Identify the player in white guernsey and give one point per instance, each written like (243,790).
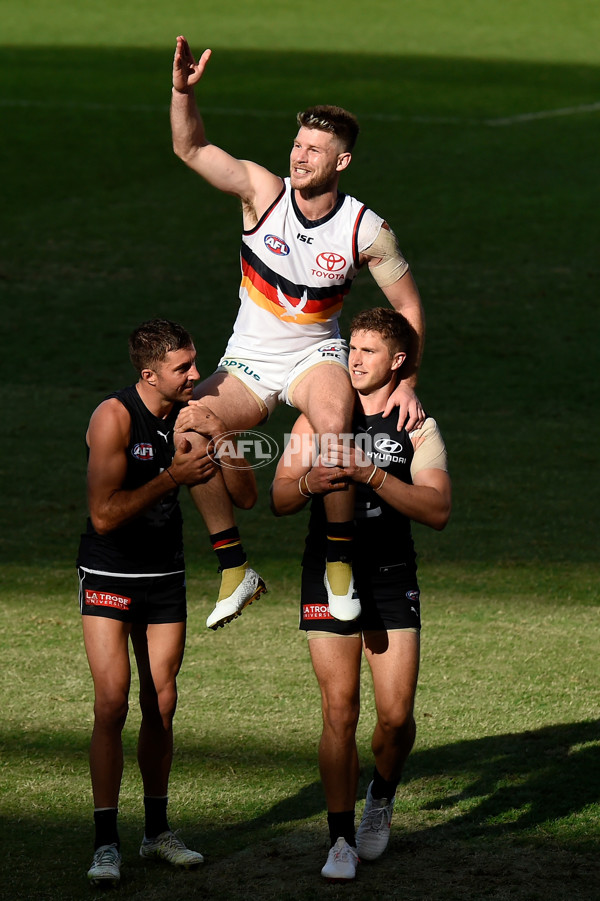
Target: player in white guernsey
(303,244)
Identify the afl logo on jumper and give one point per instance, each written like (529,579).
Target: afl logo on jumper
(143,452)
(331,262)
(277,245)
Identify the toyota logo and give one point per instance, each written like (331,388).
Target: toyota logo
(331,262)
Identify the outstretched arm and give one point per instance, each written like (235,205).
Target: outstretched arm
(254,185)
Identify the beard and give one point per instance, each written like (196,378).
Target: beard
(314,186)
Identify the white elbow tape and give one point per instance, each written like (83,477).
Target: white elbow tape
(392,264)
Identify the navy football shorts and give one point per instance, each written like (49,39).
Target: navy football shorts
(388,601)
(139,599)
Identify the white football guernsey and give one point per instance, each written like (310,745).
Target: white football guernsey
(297,272)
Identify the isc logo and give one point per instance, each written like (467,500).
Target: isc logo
(277,245)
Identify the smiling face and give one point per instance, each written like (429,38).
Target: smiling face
(371,361)
(174,377)
(316,160)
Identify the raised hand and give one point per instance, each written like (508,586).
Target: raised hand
(186,71)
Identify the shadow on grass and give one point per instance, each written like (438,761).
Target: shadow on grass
(523,796)
(516,782)
(531,777)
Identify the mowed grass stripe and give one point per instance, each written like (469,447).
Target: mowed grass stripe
(517,119)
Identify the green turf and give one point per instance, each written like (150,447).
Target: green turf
(479,145)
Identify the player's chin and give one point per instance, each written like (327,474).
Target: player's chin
(302,180)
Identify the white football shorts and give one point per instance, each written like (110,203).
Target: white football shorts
(272,379)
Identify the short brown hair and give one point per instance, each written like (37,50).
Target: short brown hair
(391,325)
(333,119)
(151,341)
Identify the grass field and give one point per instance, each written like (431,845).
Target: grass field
(480,128)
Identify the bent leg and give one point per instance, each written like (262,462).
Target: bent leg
(336,662)
(394,661)
(235,405)
(159,652)
(324,394)
(238,409)
(106,645)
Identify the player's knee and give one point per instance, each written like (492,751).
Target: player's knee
(110,709)
(397,719)
(198,442)
(333,421)
(341,715)
(167,703)
(159,706)
(246,499)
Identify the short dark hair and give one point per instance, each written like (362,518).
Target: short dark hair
(151,341)
(333,119)
(391,325)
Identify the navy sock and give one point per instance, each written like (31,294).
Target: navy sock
(381,788)
(341,824)
(156,816)
(105,821)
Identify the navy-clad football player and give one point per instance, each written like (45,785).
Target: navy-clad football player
(132,578)
(399,477)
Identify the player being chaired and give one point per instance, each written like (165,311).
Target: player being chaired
(303,243)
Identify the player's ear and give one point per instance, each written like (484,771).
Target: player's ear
(343,161)
(398,359)
(148,375)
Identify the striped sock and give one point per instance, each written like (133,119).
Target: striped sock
(228,547)
(340,536)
